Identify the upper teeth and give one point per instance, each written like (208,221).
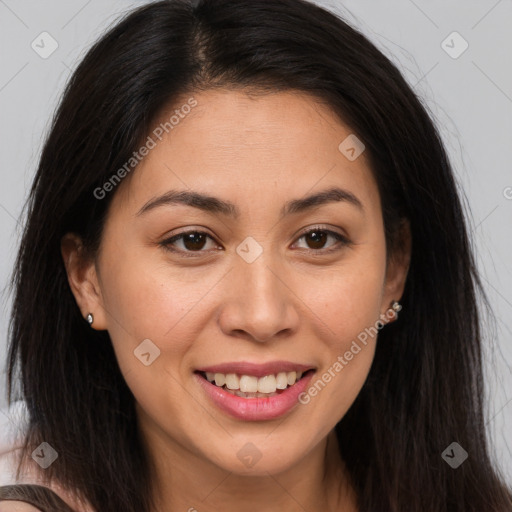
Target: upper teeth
(251,384)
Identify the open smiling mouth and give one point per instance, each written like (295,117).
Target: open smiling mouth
(255,391)
(249,386)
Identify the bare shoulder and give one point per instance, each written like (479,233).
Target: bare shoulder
(17,506)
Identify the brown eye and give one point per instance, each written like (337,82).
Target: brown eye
(317,238)
(191,241)
(194,241)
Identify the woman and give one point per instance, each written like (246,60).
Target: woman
(235,202)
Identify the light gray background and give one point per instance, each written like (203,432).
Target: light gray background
(470,98)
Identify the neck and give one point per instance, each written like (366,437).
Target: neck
(182,480)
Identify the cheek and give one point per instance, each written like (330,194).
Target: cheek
(153,301)
(147,299)
(347,300)
(348,324)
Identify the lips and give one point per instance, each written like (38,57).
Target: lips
(255,392)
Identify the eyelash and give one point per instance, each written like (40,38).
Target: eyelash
(344,241)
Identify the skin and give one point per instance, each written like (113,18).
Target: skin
(17,506)
(295,302)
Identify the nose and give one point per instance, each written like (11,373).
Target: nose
(260,305)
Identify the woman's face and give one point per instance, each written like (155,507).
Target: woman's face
(251,299)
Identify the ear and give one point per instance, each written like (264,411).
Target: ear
(397,268)
(83,279)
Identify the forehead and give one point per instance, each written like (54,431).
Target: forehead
(236,143)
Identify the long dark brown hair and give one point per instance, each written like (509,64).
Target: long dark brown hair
(425,387)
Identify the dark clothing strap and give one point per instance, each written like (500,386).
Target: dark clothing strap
(37,495)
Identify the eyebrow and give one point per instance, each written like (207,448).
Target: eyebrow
(215,205)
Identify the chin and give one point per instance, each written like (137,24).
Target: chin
(261,455)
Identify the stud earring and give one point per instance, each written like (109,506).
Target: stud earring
(396,307)
(90,319)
